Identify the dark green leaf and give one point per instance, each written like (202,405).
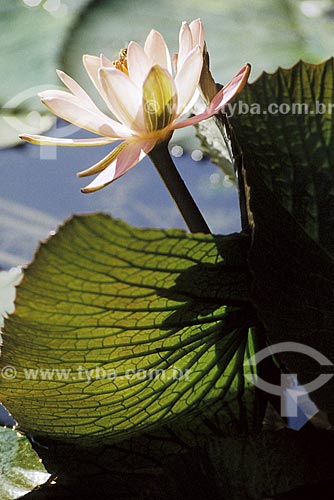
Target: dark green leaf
(289,164)
(215,467)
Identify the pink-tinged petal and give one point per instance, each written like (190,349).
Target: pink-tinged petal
(230,89)
(197,32)
(126,159)
(124,98)
(74,87)
(55,141)
(105,162)
(192,121)
(223,97)
(78,91)
(138,64)
(74,110)
(185,44)
(157,51)
(186,80)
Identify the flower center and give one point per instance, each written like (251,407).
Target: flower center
(122,63)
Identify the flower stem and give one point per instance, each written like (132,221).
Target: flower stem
(189,210)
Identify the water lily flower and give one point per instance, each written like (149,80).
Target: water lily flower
(147,102)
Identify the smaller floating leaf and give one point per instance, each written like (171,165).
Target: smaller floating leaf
(21,469)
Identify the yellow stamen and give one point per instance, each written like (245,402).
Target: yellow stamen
(122,63)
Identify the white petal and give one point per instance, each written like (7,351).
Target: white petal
(74,87)
(8,281)
(74,110)
(92,65)
(157,50)
(185,44)
(106,62)
(54,141)
(127,158)
(197,32)
(187,78)
(138,64)
(124,98)
(192,102)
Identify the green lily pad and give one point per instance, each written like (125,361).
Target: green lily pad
(21,469)
(119,330)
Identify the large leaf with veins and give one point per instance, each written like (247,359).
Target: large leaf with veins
(118,330)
